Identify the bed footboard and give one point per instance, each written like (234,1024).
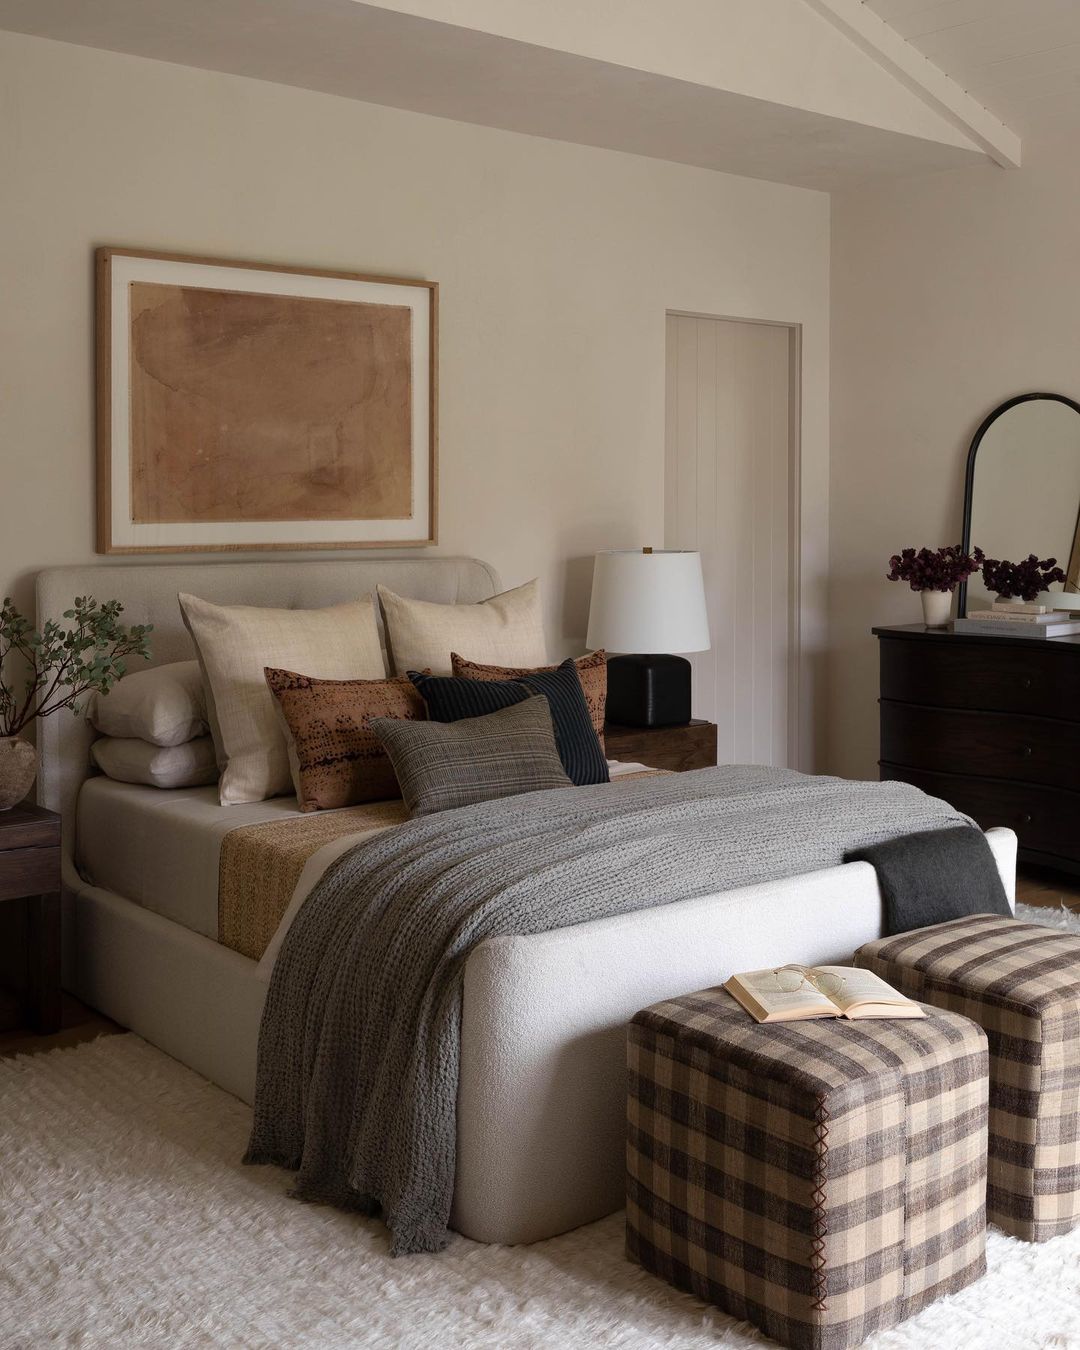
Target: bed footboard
(541,1098)
(541,1102)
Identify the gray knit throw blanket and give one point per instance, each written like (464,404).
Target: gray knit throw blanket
(360,1040)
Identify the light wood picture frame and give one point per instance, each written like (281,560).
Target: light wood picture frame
(248,406)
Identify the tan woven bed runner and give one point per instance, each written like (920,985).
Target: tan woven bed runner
(261,864)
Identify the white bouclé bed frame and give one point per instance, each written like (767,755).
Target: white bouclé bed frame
(540,1103)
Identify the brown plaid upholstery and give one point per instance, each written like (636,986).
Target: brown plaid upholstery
(1021,983)
(823,1180)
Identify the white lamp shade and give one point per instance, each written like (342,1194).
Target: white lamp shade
(648,602)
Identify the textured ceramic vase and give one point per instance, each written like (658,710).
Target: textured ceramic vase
(18,769)
(936,608)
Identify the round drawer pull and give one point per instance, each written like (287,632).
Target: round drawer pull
(1025,819)
(1027,751)
(1025,683)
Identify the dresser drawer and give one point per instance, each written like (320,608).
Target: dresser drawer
(992,745)
(964,673)
(1045,819)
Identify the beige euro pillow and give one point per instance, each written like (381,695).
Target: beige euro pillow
(236,643)
(128,760)
(506,630)
(165,705)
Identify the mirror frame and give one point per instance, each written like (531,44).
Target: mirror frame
(1073,568)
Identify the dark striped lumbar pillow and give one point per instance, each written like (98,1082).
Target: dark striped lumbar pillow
(448,699)
(591,669)
(475,759)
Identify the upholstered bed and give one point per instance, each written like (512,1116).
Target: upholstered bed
(540,1100)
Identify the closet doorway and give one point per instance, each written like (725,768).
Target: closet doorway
(731,491)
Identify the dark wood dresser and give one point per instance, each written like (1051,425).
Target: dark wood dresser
(992,725)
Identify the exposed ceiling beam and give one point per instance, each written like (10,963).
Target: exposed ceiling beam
(788,97)
(874,36)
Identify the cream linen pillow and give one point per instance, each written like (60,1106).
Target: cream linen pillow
(235,643)
(128,760)
(506,630)
(165,705)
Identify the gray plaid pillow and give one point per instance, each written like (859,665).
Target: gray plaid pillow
(440,765)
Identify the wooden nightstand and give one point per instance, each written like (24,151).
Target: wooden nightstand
(30,873)
(692,746)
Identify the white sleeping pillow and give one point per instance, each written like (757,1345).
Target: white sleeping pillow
(236,643)
(507,630)
(193,764)
(165,705)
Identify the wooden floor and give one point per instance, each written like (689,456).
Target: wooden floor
(80,1023)
(1035,886)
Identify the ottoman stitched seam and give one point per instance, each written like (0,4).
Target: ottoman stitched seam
(819,1224)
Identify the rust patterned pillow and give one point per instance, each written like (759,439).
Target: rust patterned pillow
(334,758)
(591,669)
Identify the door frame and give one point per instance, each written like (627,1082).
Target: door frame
(798,737)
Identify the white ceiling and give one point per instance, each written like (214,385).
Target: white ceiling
(1019,58)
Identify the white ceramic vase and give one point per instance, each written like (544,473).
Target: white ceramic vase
(18,769)
(936,608)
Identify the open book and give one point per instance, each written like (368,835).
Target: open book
(860,993)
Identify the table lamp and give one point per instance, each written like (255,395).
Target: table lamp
(645,605)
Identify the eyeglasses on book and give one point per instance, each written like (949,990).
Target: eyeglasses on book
(792,978)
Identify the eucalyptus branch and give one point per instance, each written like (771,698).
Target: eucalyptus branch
(44,709)
(65,663)
(34,684)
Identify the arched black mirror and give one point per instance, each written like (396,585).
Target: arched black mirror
(1022,489)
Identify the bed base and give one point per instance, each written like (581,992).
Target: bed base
(542,1086)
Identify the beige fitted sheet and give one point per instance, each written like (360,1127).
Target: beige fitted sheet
(162,848)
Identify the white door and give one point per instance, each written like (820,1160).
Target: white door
(731,469)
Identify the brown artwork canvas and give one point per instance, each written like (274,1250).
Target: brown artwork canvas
(260,407)
(243,405)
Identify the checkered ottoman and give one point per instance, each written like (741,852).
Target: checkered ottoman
(823,1180)
(1021,983)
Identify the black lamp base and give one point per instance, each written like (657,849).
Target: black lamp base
(648,691)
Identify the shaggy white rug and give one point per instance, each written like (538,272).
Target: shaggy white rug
(126,1220)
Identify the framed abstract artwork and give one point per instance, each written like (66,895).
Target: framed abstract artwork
(243,406)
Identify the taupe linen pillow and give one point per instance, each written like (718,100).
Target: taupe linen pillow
(506,630)
(236,643)
(335,758)
(128,760)
(440,765)
(165,705)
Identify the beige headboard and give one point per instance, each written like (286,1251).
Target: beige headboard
(148,594)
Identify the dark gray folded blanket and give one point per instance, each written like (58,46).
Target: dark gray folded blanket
(935,876)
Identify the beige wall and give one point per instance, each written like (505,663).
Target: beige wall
(950,293)
(556,262)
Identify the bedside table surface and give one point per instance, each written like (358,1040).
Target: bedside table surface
(29,826)
(685,746)
(678,726)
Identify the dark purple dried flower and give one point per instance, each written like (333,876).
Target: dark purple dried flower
(1027,579)
(934,569)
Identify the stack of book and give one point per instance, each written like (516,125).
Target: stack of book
(1027,620)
